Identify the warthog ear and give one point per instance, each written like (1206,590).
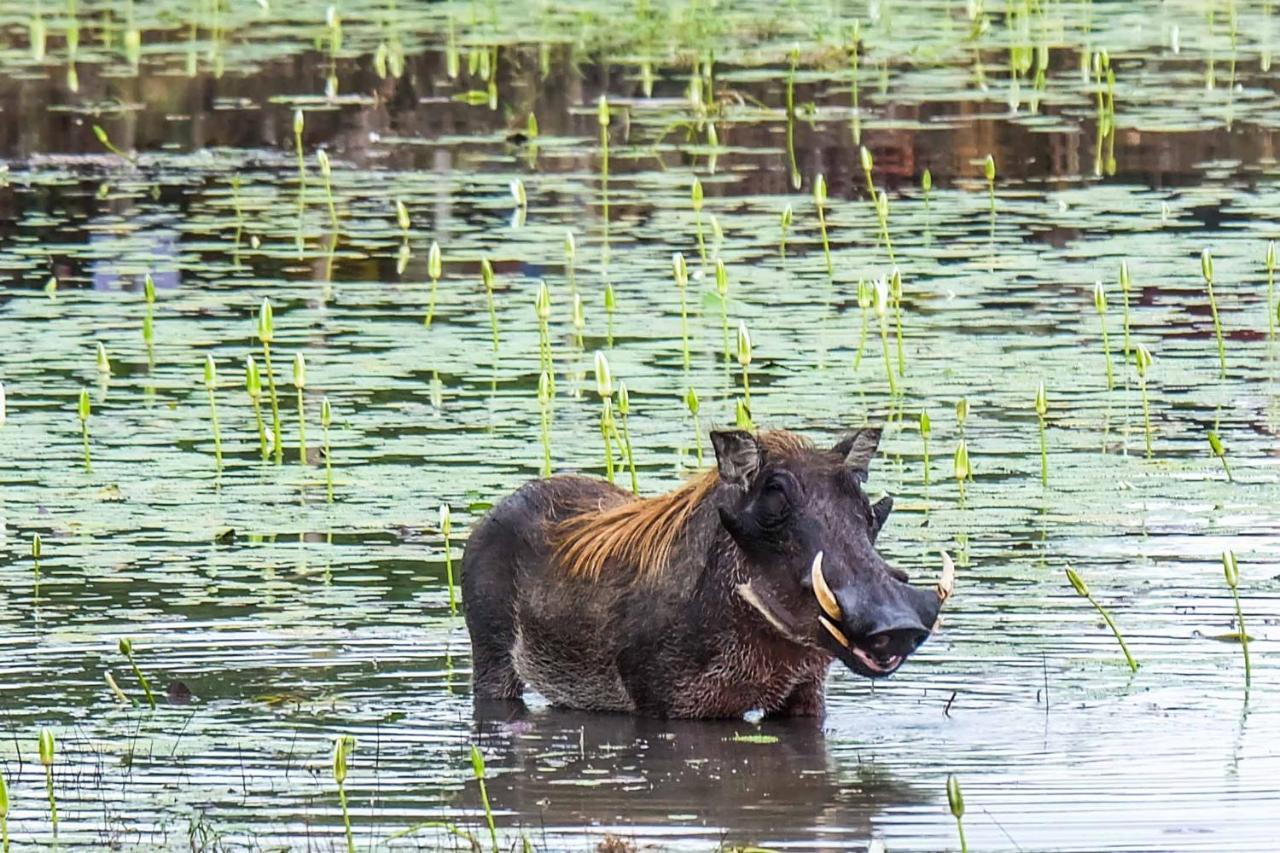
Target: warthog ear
(737,455)
(881,509)
(858,447)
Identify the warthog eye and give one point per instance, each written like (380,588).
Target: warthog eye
(776,500)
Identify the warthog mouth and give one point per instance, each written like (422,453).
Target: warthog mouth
(870,656)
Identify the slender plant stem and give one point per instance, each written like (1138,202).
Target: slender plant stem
(1106,617)
(275,403)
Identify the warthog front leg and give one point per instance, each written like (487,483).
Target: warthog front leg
(807,699)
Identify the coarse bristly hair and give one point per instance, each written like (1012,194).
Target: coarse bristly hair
(640,534)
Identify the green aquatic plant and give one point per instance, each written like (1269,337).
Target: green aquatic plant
(1231,571)
(1215,445)
(1126,282)
(446,531)
(1100,305)
(253,387)
(722,291)
(1142,362)
(211,386)
(1206,270)
(989,170)
(300,386)
(126,650)
(879,202)
(266,334)
(624,409)
(955,801)
(744,361)
(695,196)
(103,361)
(604,388)
(326,173)
(866,296)
(435,267)
(544,410)
(895,296)
(486,276)
(542,310)
(784,223)
(603,118)
(742,416)
(692,404)
(962,414)
(882,311)
(343,745)
(148,318)
(1271,290)
(1042,409)
(47,747)
(326,418)
(681,272)
(4,814)
(570,259)
(82,410)
(477,768)
(106,143)
(1082,589)
(961,469)
(299,122)
(820,202)
(926,427)
(926,186)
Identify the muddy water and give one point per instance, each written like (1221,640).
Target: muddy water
(291,619)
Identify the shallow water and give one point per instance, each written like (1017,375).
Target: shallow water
(293,620)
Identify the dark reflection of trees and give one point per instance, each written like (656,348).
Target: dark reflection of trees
(565,771)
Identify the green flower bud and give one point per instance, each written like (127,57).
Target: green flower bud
(252,380)
(342,746)
(570,246)
(402,215)
(542,302)
(1099,297)
(680,269)
(1215,444)
(1230,569)
(1142,359)
(323,159)
(1206,265)
(1042,401)
(210,373)
(604,379)
(602,111)
(46,746)
(1077,583)
(695,194)
(544,388)
(744,344)
(446,519)
(691,400)
(84,405)
(926,426)
(125,645)
(1125,281)
(518,193)
(1271,256)
(962,410)
(104,363)
(722,278)
(266,322)
(624,399)
(297,122)
(35,546)
(149,289)
(926,180)
(989,168)
(820,190)
(435,262)
(961,466)
(955,799)
(866,293)
(866,158)
(326,413)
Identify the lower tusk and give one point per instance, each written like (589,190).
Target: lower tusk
(947,584)
(826,598)
(835,632)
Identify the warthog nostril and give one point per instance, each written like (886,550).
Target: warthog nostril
(896,642)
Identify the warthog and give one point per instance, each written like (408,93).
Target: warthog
(731,593)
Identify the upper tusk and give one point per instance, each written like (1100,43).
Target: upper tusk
(826,598)
(947,584)
(835,632)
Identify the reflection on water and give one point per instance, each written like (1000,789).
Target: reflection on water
(292,620)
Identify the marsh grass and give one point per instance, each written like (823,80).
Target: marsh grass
(486,277)
(1082,589)
(477,768)
(1100,305)
(624,409)
(820,203)
(148,319)
(1042,410)
(1142,361)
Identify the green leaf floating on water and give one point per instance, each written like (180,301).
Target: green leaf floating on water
(754,738)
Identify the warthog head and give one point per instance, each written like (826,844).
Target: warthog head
(807,536)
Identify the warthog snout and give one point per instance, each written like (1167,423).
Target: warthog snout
(886,621)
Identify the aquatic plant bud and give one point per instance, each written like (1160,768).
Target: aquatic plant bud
(323,160)
(326,413)
(926,426)
(866,293)
(83,408)
(602,111)
(691,400)
(926,181)
(820,190)
(342,746)
(744,345)
(570,246)
(1231,569)
(1077,583)
(125,645)
(680,269)
(1099,297)
(518,193)
(266,322)
(866,158)
(299,371)
(947,583)
(298,122)
(989,168)
(542,302)
(1206,265)
(882,296)
(722,278)
(435,262)
(210,372)
(402,215)
(252,379)
(104,363)
(695,195)
(604,379)
(1042,401)
(46,744)
(149,289)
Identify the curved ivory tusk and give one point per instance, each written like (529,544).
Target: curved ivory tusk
(826,598)
(835,632)
(947,584)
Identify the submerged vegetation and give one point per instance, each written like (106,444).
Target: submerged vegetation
(400,184)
